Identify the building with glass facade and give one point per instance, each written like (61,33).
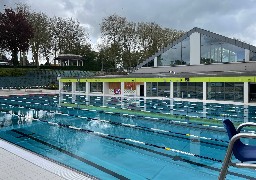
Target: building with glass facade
(199,46)
(200,65)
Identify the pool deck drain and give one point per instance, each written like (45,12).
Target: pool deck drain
(17,163)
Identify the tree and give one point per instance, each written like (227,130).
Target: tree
(68,36)
(153,38)
(15,32)
(105,59)
(92,62)
(128,43)
(112,29)
(41,42)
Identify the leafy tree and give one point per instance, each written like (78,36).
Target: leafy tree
(129,45)
(89,58)
(153,38)
(41,42)
(112,29)
(68,36)
(15,32)
(91,62)
(126,44)
(105,58)
(25,9)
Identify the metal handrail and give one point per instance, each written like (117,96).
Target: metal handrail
(228,156)
(239,128)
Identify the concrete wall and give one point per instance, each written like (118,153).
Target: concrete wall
(195,48)
(248,66)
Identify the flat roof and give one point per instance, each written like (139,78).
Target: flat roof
(231,72)
(68,57)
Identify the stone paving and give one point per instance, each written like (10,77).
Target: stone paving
(20,164)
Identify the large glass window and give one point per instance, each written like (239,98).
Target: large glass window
(213,50)
(96,87)
(149,89)
(154,89)
(239,92)
(225,91)
(158,89)
(164,89)
(195,90)
(176,90)
(189,90)
(217,91)
(229,91)
(67,86)
(216,51)
(252,56)
(176,55)
(81,86)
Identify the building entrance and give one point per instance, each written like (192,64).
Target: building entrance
(141,90)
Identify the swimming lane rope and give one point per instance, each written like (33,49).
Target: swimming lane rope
(155,130)
(126,139)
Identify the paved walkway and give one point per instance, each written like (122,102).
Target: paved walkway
(13,167)
(19,164)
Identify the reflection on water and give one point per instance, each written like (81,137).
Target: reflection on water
(193,109)
(98,124)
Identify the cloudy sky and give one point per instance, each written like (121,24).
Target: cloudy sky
(232,18)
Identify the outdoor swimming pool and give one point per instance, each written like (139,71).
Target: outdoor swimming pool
(125,138)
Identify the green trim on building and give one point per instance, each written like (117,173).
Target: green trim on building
(159,79)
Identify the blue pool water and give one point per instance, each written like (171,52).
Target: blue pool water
(125,138)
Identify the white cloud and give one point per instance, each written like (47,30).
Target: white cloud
(226,17)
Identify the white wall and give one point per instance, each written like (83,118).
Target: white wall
(105,88)
(122,88)
(87,88)
(195,48)
(246,92)
(171,89)
(155,62)
(247,55)
(60,89)
(73,91)
(138,90)
(145,89)
(204,91)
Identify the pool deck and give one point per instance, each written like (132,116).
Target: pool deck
(15,167)
(20,164)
